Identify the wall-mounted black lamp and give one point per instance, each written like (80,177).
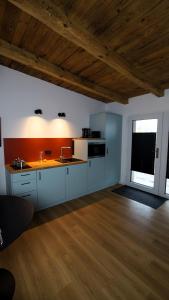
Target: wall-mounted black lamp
(38,111)
(61,115)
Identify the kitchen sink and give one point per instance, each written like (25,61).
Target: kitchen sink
(67,160)
(19,168)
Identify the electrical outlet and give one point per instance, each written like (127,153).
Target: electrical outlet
(48,152)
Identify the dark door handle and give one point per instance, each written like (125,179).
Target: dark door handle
(25,174)
(40,176)
(28,195)
(157,152)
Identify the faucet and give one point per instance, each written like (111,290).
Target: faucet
(61,152)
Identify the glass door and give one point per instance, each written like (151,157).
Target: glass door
(144,152)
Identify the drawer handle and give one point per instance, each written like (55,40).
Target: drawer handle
(1,238)
(25,174)
(26,196)
(25,183)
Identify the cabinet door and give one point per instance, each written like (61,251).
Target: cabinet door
(113,151)
(51,187)
(96,174)
(76,181)
(98,122)
(21,187)
(32,197)
(23,176)
(110,126)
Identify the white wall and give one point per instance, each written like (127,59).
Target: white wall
(138,105)
(21,94)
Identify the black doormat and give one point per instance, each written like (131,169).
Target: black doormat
(139,196)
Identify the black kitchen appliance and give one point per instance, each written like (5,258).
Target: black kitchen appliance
(96,150)
(86,133)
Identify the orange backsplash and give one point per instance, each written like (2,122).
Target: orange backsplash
(29,148)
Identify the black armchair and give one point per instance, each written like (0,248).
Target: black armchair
(15,215)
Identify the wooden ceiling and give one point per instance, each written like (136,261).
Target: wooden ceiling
(109,50)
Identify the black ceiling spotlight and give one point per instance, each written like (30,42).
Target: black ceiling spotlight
(61,115)
(38,111)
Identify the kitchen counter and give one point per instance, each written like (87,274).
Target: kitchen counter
(37,165)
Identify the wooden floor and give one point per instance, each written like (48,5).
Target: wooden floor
(100,247)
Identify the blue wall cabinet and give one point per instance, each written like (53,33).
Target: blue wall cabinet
(96,174)
(110,125)
(76,181)
(51,187)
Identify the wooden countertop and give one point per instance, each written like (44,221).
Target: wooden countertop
(37,165)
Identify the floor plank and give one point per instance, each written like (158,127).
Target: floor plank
(101,246)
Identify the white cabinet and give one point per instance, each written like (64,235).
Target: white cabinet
(76,181)
(32,197)
(24,176)
(96,174)
(110,125)
(57,185)
(23,185)
(81,147)
(51,187)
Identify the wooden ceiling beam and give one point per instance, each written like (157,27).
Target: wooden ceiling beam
(53,15)
(30,60)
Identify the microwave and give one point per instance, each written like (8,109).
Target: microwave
(96,150)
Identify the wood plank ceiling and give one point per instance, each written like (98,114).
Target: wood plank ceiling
(135,35)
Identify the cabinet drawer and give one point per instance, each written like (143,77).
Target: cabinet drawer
(24,176)
(23,186)
(30,196)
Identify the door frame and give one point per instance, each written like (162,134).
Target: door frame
(164,154)
(157,180)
